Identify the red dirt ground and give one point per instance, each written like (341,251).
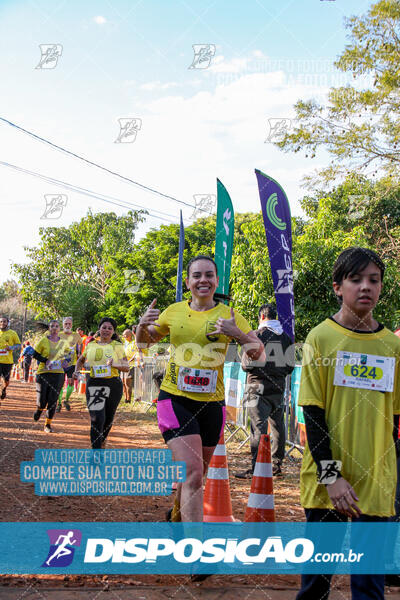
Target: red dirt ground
(20,436)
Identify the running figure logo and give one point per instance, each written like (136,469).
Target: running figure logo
(128,129)
(277,129)
(285,281)
(133,279)
(55,204)
(330,469)
(203,53)
(205,203)
(98,397)
(50,55)
(62,547)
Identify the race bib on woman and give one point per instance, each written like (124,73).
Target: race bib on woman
(55,365)
(101,371)
(203,381)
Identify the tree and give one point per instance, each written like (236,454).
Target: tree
(360,128)
(12,306)
(81,254)
(152,266)
(333,224)
(81,303)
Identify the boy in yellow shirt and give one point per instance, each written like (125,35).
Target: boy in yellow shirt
(350,394)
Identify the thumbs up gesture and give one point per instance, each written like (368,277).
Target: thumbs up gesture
(151,315)
(227,327)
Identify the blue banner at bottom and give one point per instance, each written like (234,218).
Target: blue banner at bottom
(177,548)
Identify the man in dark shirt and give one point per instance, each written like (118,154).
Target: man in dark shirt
(264,395)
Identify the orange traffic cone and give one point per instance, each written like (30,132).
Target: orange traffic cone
(13,372)
(217,495)
(30,376)
(260,506)
(82,385)
(17,373)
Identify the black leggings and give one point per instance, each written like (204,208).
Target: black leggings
(48,388)
(103,396)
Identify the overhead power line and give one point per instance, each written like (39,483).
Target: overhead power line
(86,192)
(127,179)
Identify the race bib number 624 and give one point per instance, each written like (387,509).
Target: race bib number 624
(365,371)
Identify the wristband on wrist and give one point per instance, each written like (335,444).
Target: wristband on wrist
(329,471)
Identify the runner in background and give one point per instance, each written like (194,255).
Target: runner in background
(53,355)
(82,336)
(131,352)
(89,338)
(26,360)
(191,403)
(106,358)
(9,341)
(74,341)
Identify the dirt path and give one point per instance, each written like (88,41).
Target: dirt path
(20,436)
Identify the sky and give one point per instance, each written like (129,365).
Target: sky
(170,94)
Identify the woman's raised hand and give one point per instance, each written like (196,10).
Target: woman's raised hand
(151,315)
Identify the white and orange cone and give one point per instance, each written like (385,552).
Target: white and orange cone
(217,494)
(82,385)
(30,376)
(260,506)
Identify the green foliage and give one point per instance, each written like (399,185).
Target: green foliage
(360,126)
(83,253)
(156,256)
(81,303)
(357,213)
(95,280)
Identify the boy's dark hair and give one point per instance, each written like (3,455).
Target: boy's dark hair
(354,260)
(201,257)
(268,311)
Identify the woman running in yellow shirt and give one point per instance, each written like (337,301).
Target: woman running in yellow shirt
(53,354)
(191,404)
(106,357)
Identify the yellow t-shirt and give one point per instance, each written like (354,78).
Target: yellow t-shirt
(97,355)
(360,421)
(7,338)
(131,351)
(192,349)
(54,351)
(73,340)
